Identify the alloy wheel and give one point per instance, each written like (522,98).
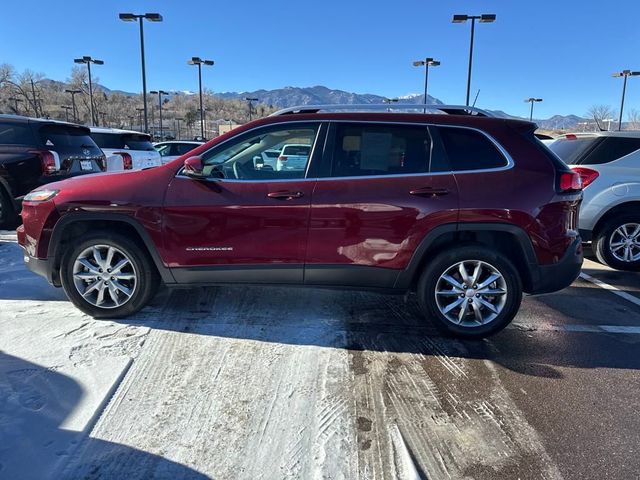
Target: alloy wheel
(105,276)
(471,293)
(624,242)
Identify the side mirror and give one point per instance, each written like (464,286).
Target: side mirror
(193,167)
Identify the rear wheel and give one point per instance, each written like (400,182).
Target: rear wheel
(617,243)
(470,291)
(108,275)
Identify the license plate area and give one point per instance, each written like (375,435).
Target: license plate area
(86,165)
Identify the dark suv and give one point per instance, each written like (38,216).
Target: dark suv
(34,152)
(466,211)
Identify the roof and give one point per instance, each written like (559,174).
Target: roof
(622,133)
(115,130)
(22,118)
(190,142)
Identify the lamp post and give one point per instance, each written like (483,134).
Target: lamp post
(389,101)
(15,100)
(532,100)
(249,100)
(66,109)
(178,119)
(140,110)
(626,74)
(484,18)
(132,17)
(73,102)
(159,93)
(199,62)
(131,117)
(426,63)
(88,61)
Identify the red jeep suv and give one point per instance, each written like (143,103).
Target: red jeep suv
(466,210)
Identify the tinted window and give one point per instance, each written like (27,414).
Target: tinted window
(182,148)
(380,150)
(123,141)
(296,150)
(612,148)
(470,150)
(60,137)
(570,150)
(15,134)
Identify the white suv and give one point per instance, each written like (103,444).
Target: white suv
(126,149)
(172,149)
(609,164)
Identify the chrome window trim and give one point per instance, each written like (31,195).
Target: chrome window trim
(510,162)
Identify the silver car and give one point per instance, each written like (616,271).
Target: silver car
(609,164)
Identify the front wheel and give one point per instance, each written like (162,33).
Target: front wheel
(470,291)
(108,275)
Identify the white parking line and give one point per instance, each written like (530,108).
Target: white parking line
(611,288)
(622,329)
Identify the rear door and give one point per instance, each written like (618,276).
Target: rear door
(242,224)
(375,202)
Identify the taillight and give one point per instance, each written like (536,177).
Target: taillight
(282,158)
(570,181)
(49,161)
(571,136)
(127,163)
(587,175)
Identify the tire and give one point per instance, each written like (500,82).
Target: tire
(137,276)
(8,216)
(434,305)
(613,232)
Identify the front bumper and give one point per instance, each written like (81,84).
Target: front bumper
(39,266)
(551,278)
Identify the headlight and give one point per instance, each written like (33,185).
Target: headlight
(40,195)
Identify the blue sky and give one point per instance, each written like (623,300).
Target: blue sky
(562,51)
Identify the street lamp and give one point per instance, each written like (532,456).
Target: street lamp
(484,18)
(66,109)
(88,61)
(132,17)
(426,63)
(532,101)
(73,102)
(159,93)
(199,62)
(15,100)
(249,100)
(625,74)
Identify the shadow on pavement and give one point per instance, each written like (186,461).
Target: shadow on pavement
(34,401)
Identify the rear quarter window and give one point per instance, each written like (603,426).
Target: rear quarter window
(612,148)
(468,149)
(15,134)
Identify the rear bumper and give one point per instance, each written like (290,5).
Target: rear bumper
(551,278)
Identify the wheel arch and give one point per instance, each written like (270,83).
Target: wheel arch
(622,208)
(72,225)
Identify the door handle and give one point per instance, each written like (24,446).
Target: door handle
(285,195)
(429,192)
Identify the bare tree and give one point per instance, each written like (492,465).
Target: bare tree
(602,114)
(633,117)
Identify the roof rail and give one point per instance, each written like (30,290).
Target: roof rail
(448,109)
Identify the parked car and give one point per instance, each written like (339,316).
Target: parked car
(609,164)
(34,152)
(171,150)
(467,211)
(267,159)
(126,149)
(293,157)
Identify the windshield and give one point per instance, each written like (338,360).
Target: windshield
(570,150)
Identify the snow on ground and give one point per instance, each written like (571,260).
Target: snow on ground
(255,383)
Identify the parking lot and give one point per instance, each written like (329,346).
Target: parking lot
(239,382)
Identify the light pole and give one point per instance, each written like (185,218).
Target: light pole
(159,93)
(131,117)
(15,100)
(249,100)
(626,74)
(132,17)
(178,119)
(389,101)
(73,102)
(426,63)
(199,62)
(484,18)
(66,109)
(532,101)
(140,110)
(88,61)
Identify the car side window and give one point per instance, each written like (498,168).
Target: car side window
(468,149)
(612,148)
(369,150)
(251,156)
(182,148)
(15,134)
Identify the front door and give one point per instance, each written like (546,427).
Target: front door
(376,203)
(247,222)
